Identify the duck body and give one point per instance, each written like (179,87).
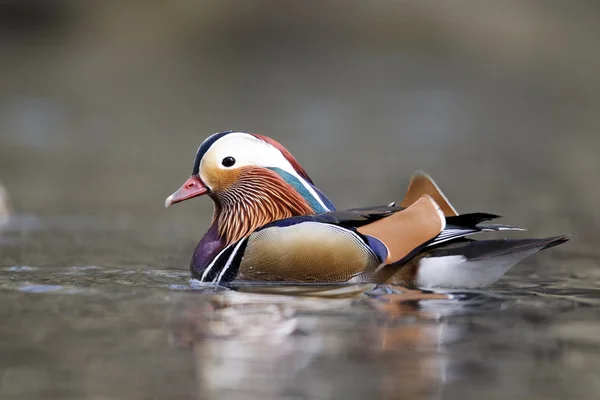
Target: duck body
(272,224)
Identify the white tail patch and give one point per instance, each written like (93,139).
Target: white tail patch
(458,272)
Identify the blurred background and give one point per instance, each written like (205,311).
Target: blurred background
(104,103)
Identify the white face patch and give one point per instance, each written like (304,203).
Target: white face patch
(247,150)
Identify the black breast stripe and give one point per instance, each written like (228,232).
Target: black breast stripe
(232,266)
(214,268)
(225,266)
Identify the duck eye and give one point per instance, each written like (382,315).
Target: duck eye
(228,161)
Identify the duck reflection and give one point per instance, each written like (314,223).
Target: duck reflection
(257,345)
(411,337)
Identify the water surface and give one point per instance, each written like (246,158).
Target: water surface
(75,330)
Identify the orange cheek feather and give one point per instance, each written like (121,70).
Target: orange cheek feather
(220,179)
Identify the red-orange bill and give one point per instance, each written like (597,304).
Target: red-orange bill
(193,187)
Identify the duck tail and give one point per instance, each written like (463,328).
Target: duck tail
(476,263)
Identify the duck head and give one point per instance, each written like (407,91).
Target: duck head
(253,180)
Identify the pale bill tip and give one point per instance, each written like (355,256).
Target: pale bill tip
(168,201)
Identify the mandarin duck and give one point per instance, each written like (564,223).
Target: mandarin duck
(272,224)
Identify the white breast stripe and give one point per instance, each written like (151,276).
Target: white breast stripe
(212,264)
(229,261)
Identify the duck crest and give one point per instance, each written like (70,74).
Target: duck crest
(307,189)
(286,154)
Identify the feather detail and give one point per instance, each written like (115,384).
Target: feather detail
(259,197)
(421,184)
(407,230)
(288,156)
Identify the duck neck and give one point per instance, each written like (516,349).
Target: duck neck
(261,197)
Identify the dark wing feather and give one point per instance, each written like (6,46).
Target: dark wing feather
(352,218)
(467,224)
(357,217)
(467,220)
(456,226)
(482,249)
